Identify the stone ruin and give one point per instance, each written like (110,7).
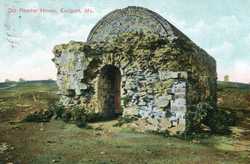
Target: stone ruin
(137,64)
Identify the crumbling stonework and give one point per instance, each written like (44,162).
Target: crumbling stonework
(137,64)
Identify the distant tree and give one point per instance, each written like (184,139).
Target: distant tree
(7,81)
(21,80)
(226,78)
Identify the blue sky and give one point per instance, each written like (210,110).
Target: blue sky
(222,28)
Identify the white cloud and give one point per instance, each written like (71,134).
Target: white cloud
(240,71)
(79,33)
(220,36)
(33,4)
(179,23)
(247,41)
(31,40)
(225,50)
(38,65)
(54,19)
(229,25)
(34,73)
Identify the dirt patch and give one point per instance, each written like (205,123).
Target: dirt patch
(101,142)
(58,142)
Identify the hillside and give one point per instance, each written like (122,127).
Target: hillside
(234,96)
(58,142)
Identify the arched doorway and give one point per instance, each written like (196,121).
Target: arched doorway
(108,91)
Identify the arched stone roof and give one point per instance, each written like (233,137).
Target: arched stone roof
(132,19)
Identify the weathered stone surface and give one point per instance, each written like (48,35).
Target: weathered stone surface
(132,111)
(164,75)
(132,19)
(161,70)
(163,101)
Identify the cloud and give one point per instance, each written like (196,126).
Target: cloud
(32,39)
(224,34)
(37,65)
(247,42)
(225,50)
(79,33)
(176,21)
(226,39)
(33,4)
(35,54)
(54,19)
(36,72)
(240,71)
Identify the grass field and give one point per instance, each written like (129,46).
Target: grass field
(58,142)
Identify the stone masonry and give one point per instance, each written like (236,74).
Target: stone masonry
(137,64)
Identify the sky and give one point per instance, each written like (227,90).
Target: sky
(27,38)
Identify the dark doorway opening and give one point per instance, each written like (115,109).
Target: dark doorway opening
(108,94)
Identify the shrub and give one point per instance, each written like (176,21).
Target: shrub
(58,109)
(217,120)
(39,116)
(66,116)
(94,117)
(79,116)
(195,116)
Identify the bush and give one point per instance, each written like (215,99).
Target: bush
(45,115)
(58,109)
(196,116)
(66,116)
(94,117)
(40,116)
(79,116)
(220,121)
(217,120)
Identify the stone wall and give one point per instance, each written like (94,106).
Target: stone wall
(132,19)
(157,96)
(159,78)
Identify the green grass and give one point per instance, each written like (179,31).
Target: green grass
(234,95)
(69,144)
(235,98)
(28,96)
(58,142)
